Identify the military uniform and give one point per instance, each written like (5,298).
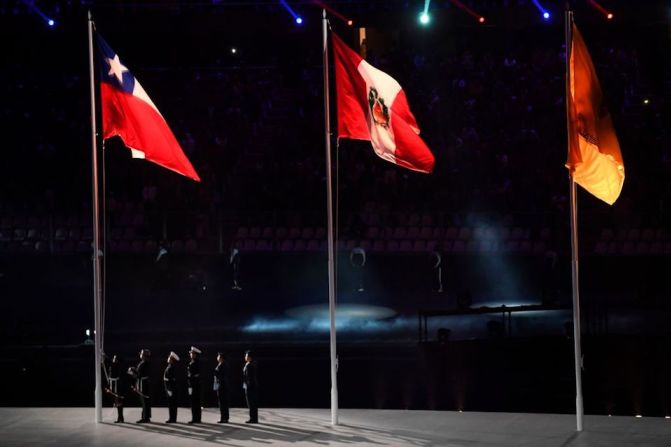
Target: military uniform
(170,385)
(250,383)
(220,387)
(193,382)
(116,389)
(143,388)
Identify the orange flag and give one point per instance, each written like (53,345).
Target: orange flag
(594,157)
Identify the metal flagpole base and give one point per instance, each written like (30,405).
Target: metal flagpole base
(334,407)
(579,413)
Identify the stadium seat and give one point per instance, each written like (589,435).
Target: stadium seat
(264,245)
(399,233)
(465,234)
(242,233)
(254,233)
(372,233)
(419,245)
(267,233)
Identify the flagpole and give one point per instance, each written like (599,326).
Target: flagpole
(97,283)
(329,213)
(574,240)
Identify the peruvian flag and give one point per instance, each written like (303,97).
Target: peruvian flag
(128,112)
(372,106)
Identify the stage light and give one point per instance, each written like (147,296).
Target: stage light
(32,7)
(424,17)
(234,50)
(437,266)
(357,258)
(333,12)
(298,19)
(162,251)
(544,12)
(601,9)
(469,11)
(646,101)
(88,340)
(234,260)
(667,417)
(639,416)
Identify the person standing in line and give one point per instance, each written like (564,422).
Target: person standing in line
(250,383)
(143,385)
(220,387)
(114,387)
(193,382)
(170,384)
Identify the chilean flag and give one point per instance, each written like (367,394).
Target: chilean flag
(128,112)
(372,106)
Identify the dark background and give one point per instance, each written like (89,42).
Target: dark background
(489,100)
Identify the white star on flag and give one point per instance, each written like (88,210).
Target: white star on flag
(116,68)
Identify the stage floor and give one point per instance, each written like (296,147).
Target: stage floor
(303,427)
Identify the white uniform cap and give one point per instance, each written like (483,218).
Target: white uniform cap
(196,350)
(174,356)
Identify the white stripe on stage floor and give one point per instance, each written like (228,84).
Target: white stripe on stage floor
(74,427)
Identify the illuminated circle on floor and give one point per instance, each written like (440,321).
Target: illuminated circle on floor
(349,311)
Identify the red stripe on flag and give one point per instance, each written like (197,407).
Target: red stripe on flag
(350,92)
(411,151)
(142,128)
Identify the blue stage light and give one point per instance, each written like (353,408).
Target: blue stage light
(51,22)
(546,15)
(299,20)
(424,18)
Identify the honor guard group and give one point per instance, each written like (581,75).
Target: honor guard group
(141,386)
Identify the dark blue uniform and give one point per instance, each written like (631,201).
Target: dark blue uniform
(170,385)
(250,383)
(143,387)
(221,388)
(193,380)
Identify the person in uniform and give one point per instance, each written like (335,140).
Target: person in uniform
(193,382)
(250,383)
(170,385)
(220,387)
(142,385)
(114,387)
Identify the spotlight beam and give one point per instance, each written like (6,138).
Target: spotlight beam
(31,6)
(427,3)
(468,10)
(600,8)
(331,11)
(298,19)
(424,17)
(544,12)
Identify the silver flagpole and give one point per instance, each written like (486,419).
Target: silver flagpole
(574,241)
(97,283)
(329,213)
